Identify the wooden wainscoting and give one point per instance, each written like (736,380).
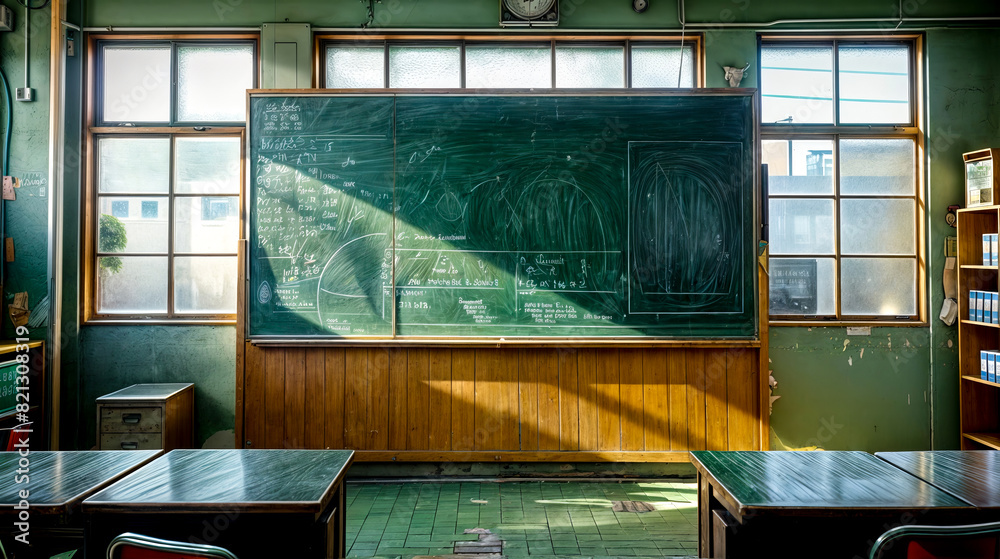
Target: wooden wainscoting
(487,404)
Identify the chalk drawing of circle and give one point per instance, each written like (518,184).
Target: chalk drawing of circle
(351,281)
(264,293)
(450,208)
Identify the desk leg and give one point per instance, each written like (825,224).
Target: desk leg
(704,517)
(339,519)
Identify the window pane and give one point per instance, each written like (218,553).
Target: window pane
(136,84)
(499,67)
(207,165)
(801,226)
(590,67)
(206,224)
(205,285)
(799,166)
(134,165)
(212,83)
(658,66)
(132,284)
(874,226)
(796,84)
(355,67)
(802,286)
(874,84)
(884,167)
(878,286)
(424,67)
(143,227)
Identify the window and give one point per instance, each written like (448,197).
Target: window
(840,137)
(485,63)
(167,137)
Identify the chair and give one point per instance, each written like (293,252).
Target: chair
(135,546)
(981,541)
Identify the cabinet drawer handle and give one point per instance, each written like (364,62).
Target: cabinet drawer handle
(131,418)
(130,446)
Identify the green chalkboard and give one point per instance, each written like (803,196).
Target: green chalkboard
(502,215)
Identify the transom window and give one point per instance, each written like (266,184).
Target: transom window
(165,176)
(485,64)
(840,140)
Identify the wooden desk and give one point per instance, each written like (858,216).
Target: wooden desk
(971,475)
(255,503)
(816,504)
(57,482)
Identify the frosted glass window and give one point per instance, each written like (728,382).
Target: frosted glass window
(140,231)
(877,226)
(136,84)
(133,165)
(207,165)
(874,84)
(132,284)
(799,166)
(205,285)
(590,67)
(206,224)
(801,226)
(878,286)
(655,66)
(505,67)
(796,85)
(803,286)
(355,67)
(878,166)
(212,82)
(420,67)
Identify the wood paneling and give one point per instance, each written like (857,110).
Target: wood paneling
(528,404)
(336,365)
(463,399)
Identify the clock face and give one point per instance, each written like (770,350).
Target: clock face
(529,9)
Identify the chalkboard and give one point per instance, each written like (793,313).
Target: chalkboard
(406,215)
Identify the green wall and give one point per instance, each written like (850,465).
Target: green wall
(875,393)
(27,217)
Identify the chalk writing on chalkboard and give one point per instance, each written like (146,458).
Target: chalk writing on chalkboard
(381,216)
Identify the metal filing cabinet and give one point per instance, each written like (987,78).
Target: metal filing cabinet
(146,416)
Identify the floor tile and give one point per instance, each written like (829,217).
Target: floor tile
(533,519)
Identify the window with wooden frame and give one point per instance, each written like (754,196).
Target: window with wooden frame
(841,138)
(165,140)
(503,62)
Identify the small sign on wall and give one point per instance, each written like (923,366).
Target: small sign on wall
(793,286)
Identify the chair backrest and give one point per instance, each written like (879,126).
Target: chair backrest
(979,541)
(136,546)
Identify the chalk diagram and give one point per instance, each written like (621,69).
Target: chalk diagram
(685,241)
(354,282)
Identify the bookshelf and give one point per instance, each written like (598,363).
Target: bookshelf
(979,400)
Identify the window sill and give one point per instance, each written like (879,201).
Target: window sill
(139,321)
(852,323)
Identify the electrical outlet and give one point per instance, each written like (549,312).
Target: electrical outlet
(25,94)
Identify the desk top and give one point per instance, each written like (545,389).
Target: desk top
(57,481)
(258,480)
(154,391)
(816,483)
(970,475)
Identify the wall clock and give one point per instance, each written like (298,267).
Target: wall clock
(529,13)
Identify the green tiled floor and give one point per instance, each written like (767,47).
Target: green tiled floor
(533,518)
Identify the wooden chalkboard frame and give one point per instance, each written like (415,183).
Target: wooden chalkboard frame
(757,297)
